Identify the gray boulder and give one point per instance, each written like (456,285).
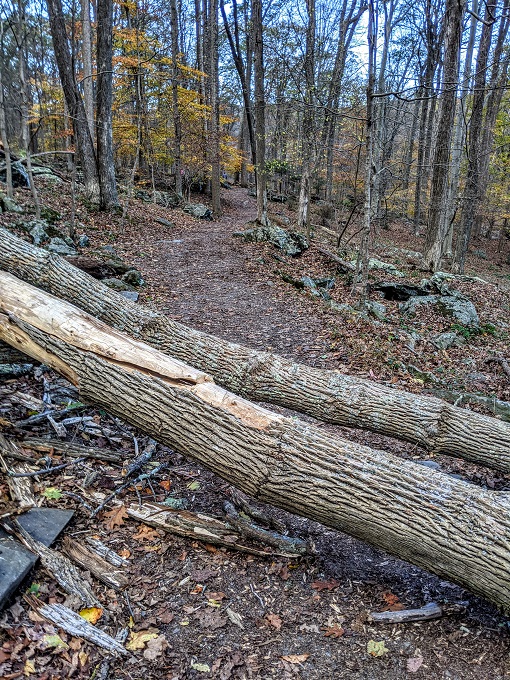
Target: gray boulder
(59,246)
(38,232)
(198,210)
(83,241)
(10,205)
(446,340)
(133,277)
(454,305)
(118,285)
(376,309)
(289,242)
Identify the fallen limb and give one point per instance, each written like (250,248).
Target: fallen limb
(200,527)
(72,450)
(448,526)
(262,376)
(428,612)
(19,486)
(97,566)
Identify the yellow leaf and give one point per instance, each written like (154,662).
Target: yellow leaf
(91,614)
(29,667)
(138,640)
(83,658)
(377,648)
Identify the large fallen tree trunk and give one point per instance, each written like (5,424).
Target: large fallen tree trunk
(447,526)
(261,376)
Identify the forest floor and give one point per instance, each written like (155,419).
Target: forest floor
(286,618)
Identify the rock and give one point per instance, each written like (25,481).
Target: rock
(277,198)
(133,277)
(83,241)
(460,308)
(376,309)
(165,223)
(384,266)
(398,291)
(41,170)
(19,174)
(289,242)
(38,232)
(198,210)
(15,370)
(454,305)
(429,463)
(54,232)
(130,295)
(59,246)
(414,302)
(118,285)
(10,205)
(43,524)
(480,253)
(110,250)
(446,340)
(50,215)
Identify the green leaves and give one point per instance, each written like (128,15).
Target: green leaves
(52,493)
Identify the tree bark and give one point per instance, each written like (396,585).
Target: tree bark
(435,238)
(262,376)
(83,139)
(260,112)
(105,162)
(450,527)
(86,50)
(174,24)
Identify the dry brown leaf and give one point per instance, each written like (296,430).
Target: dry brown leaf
(334,631)
(138,640)
(155,647)
(115,517)
(211,618)
(146,533)
(274,620)
(295,658)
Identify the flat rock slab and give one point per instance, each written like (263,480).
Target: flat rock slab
(43,524)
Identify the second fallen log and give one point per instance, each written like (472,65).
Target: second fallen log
(445,525)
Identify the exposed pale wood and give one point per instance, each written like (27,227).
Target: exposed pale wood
(19,487)
(60,567)
(199,527)
(261,376)
(104,551)
(75,625)
(448,526)
(426,613)
(99,567)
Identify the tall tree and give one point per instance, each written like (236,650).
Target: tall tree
(260,112)
(471,190)
(105,161)
(174,25)
(86,51)
(82,136)
(309,114)
(435,237)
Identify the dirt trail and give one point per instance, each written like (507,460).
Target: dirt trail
(207,278)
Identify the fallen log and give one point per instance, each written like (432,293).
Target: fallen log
(262,376)
(448,526)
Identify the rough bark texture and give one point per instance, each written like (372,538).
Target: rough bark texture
(105,162)
(74,102)
(447,526)
(262,376)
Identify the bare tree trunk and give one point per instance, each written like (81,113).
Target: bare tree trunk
(214,129)
(327,395)
(435,238)
(459,137)
(308,142)
(423,516)
(25,130)
(105,162)
(3,125)
(471,197)
(174,24)
(86,49)
(83,139)
(260,116)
